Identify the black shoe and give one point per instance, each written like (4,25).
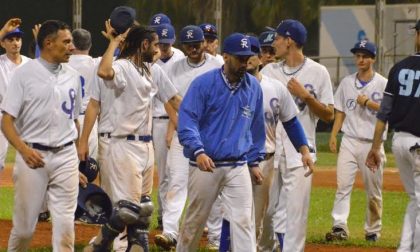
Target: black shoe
(337,234)
(160,225)
(44,217)
(371,237)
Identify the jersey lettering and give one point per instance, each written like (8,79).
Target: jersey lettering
(82,80)
(406,79)
(69,110)
(301,105)
(273,117)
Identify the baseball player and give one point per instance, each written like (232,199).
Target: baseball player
(40,114)
(356,103)
(86,66)
(162,19)
(268,55)
(168,57)
(11,41)
(182,74)
(130,146)
(221,126)
(211,41)
(278,105)
(399,107)
(310,85)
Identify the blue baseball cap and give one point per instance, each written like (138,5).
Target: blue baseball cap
(166,33)
(365,46)
(293,29)
(159,19)
(255,44)
(122,18)
(191,34)
(209,30)
(15,33)
(237,44)
(266,38)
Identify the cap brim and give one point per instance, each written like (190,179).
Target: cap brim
(355,50)
(166,41)
(191,41)
(214,36)
(241,53)
(13,34)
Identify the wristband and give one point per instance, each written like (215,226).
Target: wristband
(365,103)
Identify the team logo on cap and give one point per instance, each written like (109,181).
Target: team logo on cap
(164,33)
(244,43)
(287,33)
(207,27)
(157,20)
(363,43)
(190,34)
(269,38)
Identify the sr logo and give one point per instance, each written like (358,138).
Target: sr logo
(301,105)
(351,104)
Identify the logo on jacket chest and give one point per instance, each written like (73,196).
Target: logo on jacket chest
(246,111)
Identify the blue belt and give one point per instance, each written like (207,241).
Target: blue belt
(161,117)
(146,138)
(48,148)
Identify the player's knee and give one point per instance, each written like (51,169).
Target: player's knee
(23,235)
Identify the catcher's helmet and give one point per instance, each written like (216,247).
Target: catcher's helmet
(93,205)
(89,168)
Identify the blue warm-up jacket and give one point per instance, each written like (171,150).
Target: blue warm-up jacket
(226,124)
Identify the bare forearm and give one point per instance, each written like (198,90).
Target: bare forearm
(10,132)
(173,117)
(338,122)
(324,112)
(377,137)
(105,70)
(175,102)
(373,105)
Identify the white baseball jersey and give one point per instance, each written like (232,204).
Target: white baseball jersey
(359,121)
(45,104)
(220,59)
(86,66)
(182,73)
(7,68)
(158,108)
(133,94)
(278,105)
(316,79)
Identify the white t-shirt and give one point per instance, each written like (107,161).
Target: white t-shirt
(7,68)
(316,79)
(86,66)
(220,59)
(278,105)
(131,110)
(359,121)
(44,104)
(158,107)
(182,73)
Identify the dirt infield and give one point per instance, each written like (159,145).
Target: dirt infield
(325,177)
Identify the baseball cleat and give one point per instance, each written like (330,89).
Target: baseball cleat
(371,237)
(44,217)
(212,247)
(337,234)
(164,241)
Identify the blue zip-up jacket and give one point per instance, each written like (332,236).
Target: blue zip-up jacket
(226,124)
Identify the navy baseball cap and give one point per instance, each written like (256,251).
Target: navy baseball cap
(15,33)
(191,34)
(365,46)
(293,29)
(255,44)
(237,44)
(266,38)
(122,18)
(166,33)
(159,19)
(209,30)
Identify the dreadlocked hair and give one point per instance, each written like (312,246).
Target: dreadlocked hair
(132,49)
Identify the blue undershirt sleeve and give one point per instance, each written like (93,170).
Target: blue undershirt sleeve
(295,132)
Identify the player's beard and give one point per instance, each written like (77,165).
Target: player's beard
(148,56)
(252,71)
